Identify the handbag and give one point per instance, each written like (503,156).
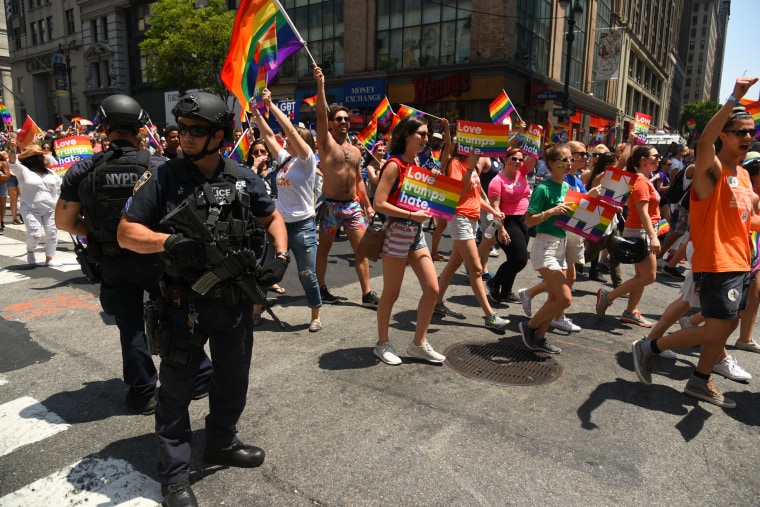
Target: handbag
(371,244)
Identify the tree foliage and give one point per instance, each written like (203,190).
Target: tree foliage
(186,46)
(700,111)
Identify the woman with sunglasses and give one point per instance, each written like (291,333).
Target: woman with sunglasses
(404,242)
(662,184)
(260,161)
(643,217)
(510,192)
(295,179)
(374,159)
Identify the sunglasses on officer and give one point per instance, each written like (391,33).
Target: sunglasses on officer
(193,130)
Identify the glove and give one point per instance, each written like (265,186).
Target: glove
(186,252)
(273,272)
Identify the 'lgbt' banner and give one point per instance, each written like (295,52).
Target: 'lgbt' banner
(532,145)
(591,218)
(616,186)
(438,197)
(641,128)
(71,150)
(492,140)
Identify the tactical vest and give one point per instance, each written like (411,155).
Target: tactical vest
(112,178)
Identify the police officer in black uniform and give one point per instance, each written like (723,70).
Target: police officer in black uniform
(93,194)
(225,197)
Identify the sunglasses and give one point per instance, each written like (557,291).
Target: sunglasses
(743,132)
(259,152)
(193,130)
(517,159)
(565,159)
(657,156)
(581,154)
(341,119)
(595,155)
(668,164)
(422,134)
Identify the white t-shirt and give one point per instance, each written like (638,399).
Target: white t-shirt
(38,192)
(295,186)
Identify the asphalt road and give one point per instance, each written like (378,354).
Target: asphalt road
(340,428)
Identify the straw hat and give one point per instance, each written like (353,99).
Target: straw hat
(30,151)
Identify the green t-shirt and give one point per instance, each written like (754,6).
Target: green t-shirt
(547,195)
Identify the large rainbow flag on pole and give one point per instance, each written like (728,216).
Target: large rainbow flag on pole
(266,58)
(254,19)
(501,108)
(383,111)
(367,136)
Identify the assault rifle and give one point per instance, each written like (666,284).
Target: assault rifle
(238,266)
(89,268)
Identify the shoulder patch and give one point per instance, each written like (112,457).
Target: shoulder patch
(142,181)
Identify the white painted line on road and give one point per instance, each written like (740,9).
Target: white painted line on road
(11,276)
(16,249)
(91,481)
(3,380)
(24,421)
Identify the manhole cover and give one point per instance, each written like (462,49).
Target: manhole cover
(502,364)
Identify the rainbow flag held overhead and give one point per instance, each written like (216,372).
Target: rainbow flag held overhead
(501,108)
(403,112)
(367,136)
(265,57)
(253,20)
(663,227)
(28,130)
(240,152)
(153,131)
(692,125)
(311,101)
(753,109)
(383,111)
(7,118)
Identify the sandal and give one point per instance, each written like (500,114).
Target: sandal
(439,258)
(17,222)
(276,288)
(315,326)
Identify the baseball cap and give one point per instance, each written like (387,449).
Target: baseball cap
(751,155)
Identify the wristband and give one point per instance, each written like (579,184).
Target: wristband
(733,99)
(542,216)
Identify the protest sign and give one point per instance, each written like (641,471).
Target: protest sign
(616,186)
(591,218)
(71,150)
(532,145)
(419,191)
(641,128)
(490,139)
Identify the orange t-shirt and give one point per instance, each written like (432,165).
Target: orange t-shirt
(469,205)
(643,190)
(720,224)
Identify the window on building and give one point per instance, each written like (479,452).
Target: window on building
(321,23)
(690,58)
(701,57)
(95,72)
(694,20)
(603,20)
(17,37)
(686,95)
(105,74)
(70,28)
(104,28)
(688,81)
(94,31)
(702,44)
(704,19)
(414,33)
(696,7)
(41,30)
(699,70)
(50,27)
(143,67)
(697,81)
(688,69)
(39,3)
(532,34)
(704,31)
(31,4)
(631,64)
(693,32)
(691,44)
(143,17)
(20,84)
(33,31)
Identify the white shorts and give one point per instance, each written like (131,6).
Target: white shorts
(575,249)
(462,228)
(547,251)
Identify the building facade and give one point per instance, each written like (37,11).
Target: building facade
(704,31)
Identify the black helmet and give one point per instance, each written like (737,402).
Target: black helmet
(628,250)
(205,107)
(121,110)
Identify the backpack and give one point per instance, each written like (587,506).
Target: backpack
(676,190)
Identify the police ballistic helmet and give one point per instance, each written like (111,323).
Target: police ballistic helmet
(205,107)
(121,110)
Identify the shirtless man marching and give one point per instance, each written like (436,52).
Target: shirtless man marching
(339,163)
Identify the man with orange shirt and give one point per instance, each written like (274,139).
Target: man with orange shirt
(721,214)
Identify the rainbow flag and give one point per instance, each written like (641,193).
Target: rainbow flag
(253,20)
(311,101)
(383,111)
(240,153)
(590,218)
(59,128)
(153,131)
(27,133)
(265,57)
(752,108)
(7,118)
(692,125)
(367,136)
(663,227)
(550,132)
(404,111)
(501,108)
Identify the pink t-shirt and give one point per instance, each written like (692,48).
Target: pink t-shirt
(514,195)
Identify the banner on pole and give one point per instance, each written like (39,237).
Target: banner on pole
(607,63)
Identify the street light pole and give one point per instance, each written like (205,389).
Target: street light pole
(67,52)
(572,17)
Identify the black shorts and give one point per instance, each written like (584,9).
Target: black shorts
(722,295)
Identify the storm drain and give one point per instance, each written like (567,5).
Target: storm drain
(502,364)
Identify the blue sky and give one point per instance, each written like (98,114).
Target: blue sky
(741,52)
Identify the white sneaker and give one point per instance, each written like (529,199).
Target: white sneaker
(30,258)
(426,352)
(526,301)
(494,252)
(565,324)
(387,354)
(731,370)
(668,354)
(52,263)
(685,323)
(752,346)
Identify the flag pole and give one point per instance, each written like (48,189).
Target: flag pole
(423,112)
(295,30)
(513,106)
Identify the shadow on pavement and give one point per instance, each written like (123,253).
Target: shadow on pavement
(348,359)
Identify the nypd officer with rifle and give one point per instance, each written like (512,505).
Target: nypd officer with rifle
(93,194)
(198,213)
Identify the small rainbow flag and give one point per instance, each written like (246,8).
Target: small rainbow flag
(59,128)
(367,136)
(311,101)
(156,139)
(383,111)
(663,227)
(5,114)
(550,132)
(692,125)
(404,111)
(240,153)
(754,109)
(501,108)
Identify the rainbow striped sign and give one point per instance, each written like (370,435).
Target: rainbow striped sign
(71,150)
(616,186)
(491,139)
(591,218)
(419,191)
(532,145)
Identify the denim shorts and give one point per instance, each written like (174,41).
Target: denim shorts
(462,229)
(12,182)
(547,251)
(4,191)
(722,295)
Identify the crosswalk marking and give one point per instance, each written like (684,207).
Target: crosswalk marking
(24,421)
(91,481)
(16,249)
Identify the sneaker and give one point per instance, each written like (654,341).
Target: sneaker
(444,311)
(665,354)
(52,263)
(511,298)
(565,324)
(685,323)
(327,298)
(673,273)
(604,266)
(493,292)
(426,352)
(256,319)
(370,300)
(731,370)
(31,259)
(642,360)
(487,276)
(602,303)
(528,335)
(635,318)
(387,354)
(748,346)
(494,252)
(704,390)
(526,301)
(496,322)
(545,346)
